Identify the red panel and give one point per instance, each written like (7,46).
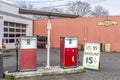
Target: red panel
(70,57)
(62,51)
(27,59)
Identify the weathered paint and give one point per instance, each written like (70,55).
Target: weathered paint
(86,29)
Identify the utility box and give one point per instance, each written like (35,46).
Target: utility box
(107,47)
(68,52)
(27,55)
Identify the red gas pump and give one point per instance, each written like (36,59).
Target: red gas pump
(27,55)
(68,52)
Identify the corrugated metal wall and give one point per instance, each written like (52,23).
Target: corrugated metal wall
(86,29)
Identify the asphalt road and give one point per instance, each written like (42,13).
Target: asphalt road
(109,66)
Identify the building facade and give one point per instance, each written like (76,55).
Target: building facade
(104,30)
(13,25)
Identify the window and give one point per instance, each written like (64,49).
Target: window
(5,35)
(23,30)
(11,29)
(23,34)
(6,23)
(12,40)
(12,24)
(11,35)
(23,25)
(17,30)
(17,25)
(6,40)
(17,35)
(6,29)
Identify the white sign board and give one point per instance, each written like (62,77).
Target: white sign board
(91,59)
(28,42)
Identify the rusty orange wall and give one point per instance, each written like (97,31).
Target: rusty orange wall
(81,27)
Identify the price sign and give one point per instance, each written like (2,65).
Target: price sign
(91,56)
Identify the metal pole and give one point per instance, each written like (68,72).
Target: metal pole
(1,65)
(48,45)
(16,45)
(17,58)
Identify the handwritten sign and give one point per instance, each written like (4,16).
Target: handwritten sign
(91,57)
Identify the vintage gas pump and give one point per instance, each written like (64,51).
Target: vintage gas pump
(68,52)
(27,55)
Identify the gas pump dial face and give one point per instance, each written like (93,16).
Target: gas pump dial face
(70,41)
(28,41)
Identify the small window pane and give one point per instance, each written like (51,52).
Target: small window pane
(23,34)
(11,30)
(17,30)
(17,35)
(12,40)
(6,35)
(11,35)
(23,30)
(6,23)
(6,29)
(17,25)
(23,25)
(6,40)
(12,24)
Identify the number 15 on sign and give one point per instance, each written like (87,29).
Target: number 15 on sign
(91,62)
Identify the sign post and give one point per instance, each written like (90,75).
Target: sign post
(16,45)
(91,59)
(49,26)
(1,65)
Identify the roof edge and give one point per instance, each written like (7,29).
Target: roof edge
(9,4)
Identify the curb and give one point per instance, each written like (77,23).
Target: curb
(41,71)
